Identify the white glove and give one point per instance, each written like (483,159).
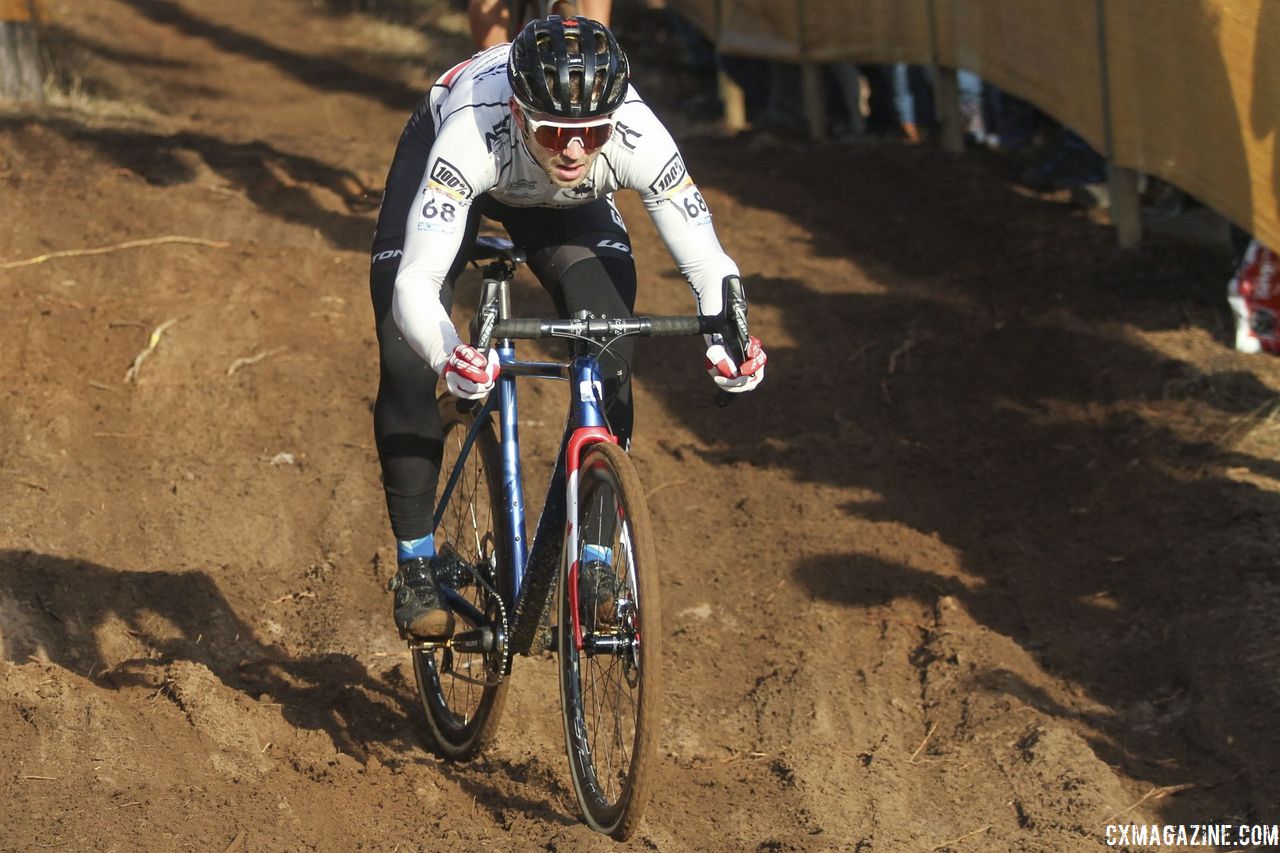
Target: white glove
(469,373)
(737,378)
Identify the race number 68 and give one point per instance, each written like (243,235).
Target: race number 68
(694,205)
(446,211)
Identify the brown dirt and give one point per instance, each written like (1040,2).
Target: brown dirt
(987,561)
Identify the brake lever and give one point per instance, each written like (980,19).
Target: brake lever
(738,338)
(482,327)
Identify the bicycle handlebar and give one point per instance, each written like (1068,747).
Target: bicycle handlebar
(732,324)
(606,329)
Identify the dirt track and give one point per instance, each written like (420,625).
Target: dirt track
(987,562)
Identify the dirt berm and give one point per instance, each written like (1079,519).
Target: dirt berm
(987,563)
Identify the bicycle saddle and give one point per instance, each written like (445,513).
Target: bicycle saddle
(488,248)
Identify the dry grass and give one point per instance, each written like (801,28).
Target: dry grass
(77,83)
(1257,432)
(71,95)
(401,28)
(389,39)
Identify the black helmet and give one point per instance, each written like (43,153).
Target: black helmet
(555,59)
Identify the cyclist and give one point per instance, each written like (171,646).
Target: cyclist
(535,135)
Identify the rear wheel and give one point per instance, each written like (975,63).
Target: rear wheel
(611,689)
(460,691)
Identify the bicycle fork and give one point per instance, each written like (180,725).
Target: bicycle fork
(591,427)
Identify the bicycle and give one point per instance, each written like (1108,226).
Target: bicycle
(500,585)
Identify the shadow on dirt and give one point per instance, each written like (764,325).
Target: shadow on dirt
(496,785)
(123,628)
(278,182)
(991,400)
(63,42)
(319,72)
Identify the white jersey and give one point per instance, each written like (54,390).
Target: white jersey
(477,151)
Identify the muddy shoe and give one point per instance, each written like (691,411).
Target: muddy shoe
(598,591)
(420,609)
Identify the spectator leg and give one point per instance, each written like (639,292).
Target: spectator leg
(948,89)
(815,108)
(1125,210)
(850,82)
(734,100)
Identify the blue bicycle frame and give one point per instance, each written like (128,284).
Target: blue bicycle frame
(585,425)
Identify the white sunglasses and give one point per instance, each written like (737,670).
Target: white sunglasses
(556,135)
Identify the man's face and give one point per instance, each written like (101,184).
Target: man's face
(565,148)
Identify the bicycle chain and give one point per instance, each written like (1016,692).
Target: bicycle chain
(504,636)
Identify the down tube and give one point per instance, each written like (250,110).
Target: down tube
(512,483)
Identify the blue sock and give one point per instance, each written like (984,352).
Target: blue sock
(407,549)
(591,552)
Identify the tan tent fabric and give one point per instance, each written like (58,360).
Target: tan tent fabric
(1193,86)
(817,30)
(759,28)
(867,30)
(1044,51)
(1195,95)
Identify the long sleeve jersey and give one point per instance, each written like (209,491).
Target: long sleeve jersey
(477,150)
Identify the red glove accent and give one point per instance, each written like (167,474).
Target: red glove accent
(734,377)
(469,373)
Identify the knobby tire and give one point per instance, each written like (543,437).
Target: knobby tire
(612,702)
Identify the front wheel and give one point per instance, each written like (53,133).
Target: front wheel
(611,688)
(463,693)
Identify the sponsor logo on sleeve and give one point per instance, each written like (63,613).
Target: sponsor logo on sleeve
(447,176)
(499,134)
(627,135)
(671,175)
